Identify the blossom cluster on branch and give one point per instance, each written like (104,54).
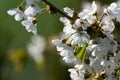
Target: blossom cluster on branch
(28,15)
(88,40)
(89,44)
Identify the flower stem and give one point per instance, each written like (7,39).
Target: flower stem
(101,19)
(20,5)
(22,2)
(56,9)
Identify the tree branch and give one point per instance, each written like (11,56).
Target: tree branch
(56,9)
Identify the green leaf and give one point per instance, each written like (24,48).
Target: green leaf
(82,52)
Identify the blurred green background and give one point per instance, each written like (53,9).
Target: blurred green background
(14,37)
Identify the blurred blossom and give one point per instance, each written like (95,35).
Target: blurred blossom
(36,48)
(18,57)
(86,4)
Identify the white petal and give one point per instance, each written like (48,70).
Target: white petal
(34,31)
(113,5)
(91,20)
(94,7)
(109,27)
(26,23)
(30,27)
(56,42)
(84,14)
(65,20)
(68,11)
(105,10)
(68,30)
(12,12)
(32,10)
(77,24)
(18,17)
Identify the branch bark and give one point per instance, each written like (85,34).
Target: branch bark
(56,9)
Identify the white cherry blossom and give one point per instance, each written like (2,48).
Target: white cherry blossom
(113,11)
(92,10)
(68,30)
(30,26)
(79,38)
(32,10)
(65,51)
(77,73)
(68,11)
(108,45)
(88,14)
(17,13)
(108,25)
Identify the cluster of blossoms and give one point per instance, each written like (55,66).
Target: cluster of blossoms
(88,40)
(28,15)
(89,44)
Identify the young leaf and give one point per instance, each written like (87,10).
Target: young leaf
(82,52)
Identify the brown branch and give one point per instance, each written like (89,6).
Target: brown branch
(56,9)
